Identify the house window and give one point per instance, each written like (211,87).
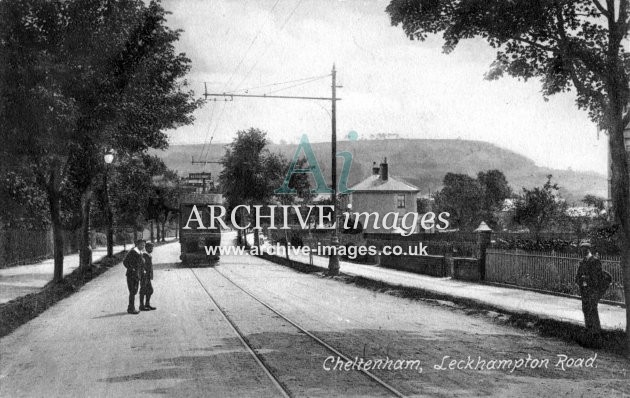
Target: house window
(400,201)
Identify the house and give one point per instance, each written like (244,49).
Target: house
(382,194)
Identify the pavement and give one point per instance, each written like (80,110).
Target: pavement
(539,305)
(25,279)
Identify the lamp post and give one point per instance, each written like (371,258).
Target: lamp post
(109,158)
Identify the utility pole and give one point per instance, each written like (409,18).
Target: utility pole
(333,261)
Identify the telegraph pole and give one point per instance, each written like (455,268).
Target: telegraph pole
(333,260)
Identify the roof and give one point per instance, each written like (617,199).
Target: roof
(374,184)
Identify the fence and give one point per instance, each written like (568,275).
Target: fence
(24,246)
(547,271)
(18,247)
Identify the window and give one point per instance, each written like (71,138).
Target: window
(400,201)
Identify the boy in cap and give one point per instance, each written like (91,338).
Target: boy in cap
(134,262)
(146,275)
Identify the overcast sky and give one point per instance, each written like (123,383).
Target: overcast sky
(390,84)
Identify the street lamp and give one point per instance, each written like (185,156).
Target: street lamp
(109,158)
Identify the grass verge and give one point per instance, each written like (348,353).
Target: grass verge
(22,309)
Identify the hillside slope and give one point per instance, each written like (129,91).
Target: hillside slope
(422,162)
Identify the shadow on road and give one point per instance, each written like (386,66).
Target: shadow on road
(111,315)
(179,265)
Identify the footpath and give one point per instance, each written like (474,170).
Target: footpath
(511,301)
(25,279)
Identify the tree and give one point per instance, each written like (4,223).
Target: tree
(250,172)
(568,45)
(139,91)
(36,117)
(135,192)
(23,203)
(495,190)
(462,197)
(594,201)
(470,200)
(164,197)
(538,208)
(82,77)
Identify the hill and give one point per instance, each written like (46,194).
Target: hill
(422,162)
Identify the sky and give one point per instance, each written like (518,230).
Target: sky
(391,84)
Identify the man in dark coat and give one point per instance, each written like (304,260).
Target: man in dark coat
(593,282)
(134,262)
(146,288)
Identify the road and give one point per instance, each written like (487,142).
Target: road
(87,345)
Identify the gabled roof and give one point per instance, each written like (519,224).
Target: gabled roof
(375,184)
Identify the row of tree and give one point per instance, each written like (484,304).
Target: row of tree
(540,209)
(80,78)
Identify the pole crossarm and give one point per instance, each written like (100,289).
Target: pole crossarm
(193,161)
(231,96)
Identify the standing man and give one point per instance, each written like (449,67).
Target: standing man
(593,283)
(146,275)
(134,262)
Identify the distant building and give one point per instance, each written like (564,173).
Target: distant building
(383,194)
(198,182)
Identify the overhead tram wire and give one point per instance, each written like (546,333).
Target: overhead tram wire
(249,47)
(281,83)
(297,85)
(234,74)
(284,24)
(205,140)
(302,81)
(216,127)
(286,21)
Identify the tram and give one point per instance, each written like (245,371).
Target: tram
(195,243)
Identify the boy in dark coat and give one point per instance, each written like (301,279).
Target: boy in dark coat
(146,288)
(134,263)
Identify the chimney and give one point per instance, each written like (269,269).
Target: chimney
(384,171)
(375,169)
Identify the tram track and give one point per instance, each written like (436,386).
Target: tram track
(282,388)
(252,351)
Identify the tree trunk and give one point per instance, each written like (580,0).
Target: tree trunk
(151,234)
(157,230)
(163,231)
(620,187)
(85,252)
(55,218)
